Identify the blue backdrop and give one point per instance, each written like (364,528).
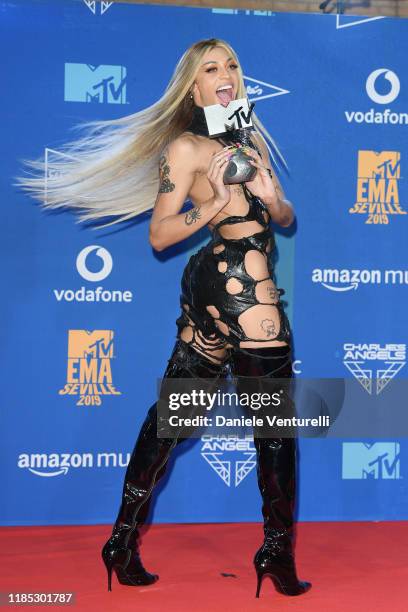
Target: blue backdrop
(333,93)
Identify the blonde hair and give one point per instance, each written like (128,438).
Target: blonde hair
(113,169)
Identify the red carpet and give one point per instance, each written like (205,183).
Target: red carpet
(353,566)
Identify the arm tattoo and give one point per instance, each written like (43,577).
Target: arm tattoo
(164,170)
(192,215)
(275,184)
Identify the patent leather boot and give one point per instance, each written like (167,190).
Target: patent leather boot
(121,551)
(276,472)
(275,559)
(126,562)
(146,466)
(276,480)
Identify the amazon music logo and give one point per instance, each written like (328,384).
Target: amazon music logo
(59,464)
(347,279)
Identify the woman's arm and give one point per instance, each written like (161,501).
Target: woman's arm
(268,188)
(177,167)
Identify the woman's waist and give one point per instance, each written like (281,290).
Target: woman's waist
(259,239)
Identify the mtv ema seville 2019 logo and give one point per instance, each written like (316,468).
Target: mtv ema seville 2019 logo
(378,186)
(89,368)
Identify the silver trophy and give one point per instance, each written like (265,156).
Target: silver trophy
(239,168)
(235,122)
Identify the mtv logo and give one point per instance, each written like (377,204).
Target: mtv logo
(379,164)
(88,83)
(97,344)
(236,116)
(377,461)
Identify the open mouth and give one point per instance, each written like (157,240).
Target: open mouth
(225,94)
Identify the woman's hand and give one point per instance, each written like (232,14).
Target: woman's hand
(262,185)
(215,174)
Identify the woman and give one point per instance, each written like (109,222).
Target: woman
(231,314)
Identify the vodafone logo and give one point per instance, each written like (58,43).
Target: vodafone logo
(105,270)
(382,87)
(93,294)
(393,80)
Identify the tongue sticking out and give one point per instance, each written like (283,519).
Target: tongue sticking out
(225,95)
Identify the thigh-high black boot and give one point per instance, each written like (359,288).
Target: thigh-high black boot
(276,471)
(147,464)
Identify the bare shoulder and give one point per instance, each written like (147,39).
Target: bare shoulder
(191,151)
(182,150)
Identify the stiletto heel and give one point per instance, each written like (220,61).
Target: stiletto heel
(299,589)
(109,568)
(259,576)
(129,570)
(275,559)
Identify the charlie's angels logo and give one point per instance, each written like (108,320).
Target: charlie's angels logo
(378,186)
(232,458)
(89,368)
(95,6)
(373,362)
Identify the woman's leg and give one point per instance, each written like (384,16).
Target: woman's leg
(276,471)
(147,464)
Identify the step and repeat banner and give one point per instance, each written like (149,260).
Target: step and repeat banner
(102,305)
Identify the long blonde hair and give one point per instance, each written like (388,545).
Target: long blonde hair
(113,169)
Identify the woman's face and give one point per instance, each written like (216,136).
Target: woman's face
(216,81)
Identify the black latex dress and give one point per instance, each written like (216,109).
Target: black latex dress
(218,291)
